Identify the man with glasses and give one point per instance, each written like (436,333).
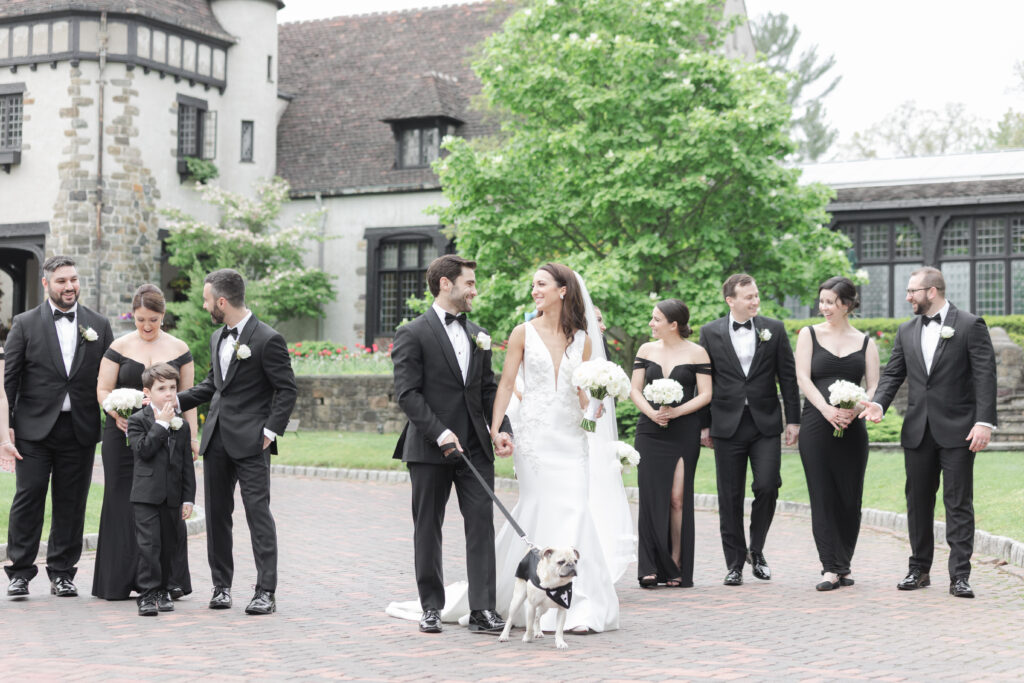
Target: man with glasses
(947,358)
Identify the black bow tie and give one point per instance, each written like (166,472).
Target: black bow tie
(460,318)
(937,319)
(58,314)
(749,325)
(229,332)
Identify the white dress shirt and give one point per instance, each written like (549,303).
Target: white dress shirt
(227,354)
(459,339)
(67,336)
(930,337)
(744,342)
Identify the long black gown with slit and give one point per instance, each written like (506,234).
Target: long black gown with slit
(117,552)
(660,450)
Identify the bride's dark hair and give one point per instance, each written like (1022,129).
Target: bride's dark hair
(574,311)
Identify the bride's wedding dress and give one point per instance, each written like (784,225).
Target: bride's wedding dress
(552,465)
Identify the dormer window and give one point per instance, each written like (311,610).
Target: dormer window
(419,141)
(11,95)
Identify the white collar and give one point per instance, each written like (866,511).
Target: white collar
(73,309)
(943,313)
(241,323)
(441,313)
(733,320)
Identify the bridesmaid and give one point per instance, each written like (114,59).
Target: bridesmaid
(668,439)
(834,466)
(122,366)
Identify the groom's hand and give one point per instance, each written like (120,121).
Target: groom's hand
(448,448)
(872,411)
(504,445)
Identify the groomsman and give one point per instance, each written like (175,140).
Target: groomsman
(947,359)
(748,354)
(53,358)
(251,390)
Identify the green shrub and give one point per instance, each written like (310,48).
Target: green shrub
(626,414)
(888,430)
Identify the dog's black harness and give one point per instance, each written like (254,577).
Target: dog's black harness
(527,570)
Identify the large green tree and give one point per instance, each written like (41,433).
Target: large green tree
(775,39)
(635,150)
(245,237)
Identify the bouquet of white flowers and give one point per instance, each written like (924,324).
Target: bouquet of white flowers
(599,378)
(124,402)
(845,395)
(628,456)
(663,392)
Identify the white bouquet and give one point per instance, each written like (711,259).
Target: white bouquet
(628,456)
(599,378)
(124,402)
(663,392)
(846,395)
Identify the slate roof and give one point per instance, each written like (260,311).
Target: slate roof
(346,75)
(928,191)
(195,15)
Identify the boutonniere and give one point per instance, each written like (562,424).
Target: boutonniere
(946,331)
(483,342)
(764,334)
(242,351)
(88,334)
(176,423)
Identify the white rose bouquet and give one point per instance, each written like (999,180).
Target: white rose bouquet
(599,378)
(628,456)
(124,402)
(846,395)
(664,391)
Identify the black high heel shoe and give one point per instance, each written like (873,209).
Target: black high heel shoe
(649,581)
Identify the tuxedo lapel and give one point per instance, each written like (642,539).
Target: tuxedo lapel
(243,338)
(441,336)
(218,377)
(915,344)
(80,342)
(730,350)
(758,344)
(49,328)
(950,321)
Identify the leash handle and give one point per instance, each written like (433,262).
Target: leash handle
(501,506)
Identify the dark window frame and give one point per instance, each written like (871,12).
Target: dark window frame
(375,239)
(200,111)
(252,143)
(1007,257)
(10,150)
(891,261)
(442,125)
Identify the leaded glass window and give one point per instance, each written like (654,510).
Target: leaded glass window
(900,277)
(906,241)
(874,296)
(1017,287)
(1017,235)
(956,238)
(990,236)
(10,122)
(874,241)
(958,282)
(989,287)
(401,274)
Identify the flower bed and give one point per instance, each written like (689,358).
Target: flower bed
(328,358)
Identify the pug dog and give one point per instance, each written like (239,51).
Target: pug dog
(543,582)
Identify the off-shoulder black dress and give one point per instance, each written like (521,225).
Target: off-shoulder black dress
(116,551)
(660,449)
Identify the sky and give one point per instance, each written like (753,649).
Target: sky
(887,51)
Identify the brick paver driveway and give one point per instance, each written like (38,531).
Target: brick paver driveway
(346,550)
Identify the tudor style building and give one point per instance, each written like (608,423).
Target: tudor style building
(961,213)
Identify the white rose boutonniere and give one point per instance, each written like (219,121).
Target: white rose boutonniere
(88,334)
(176,423)
(946,331)
(764,334)
(483,342)
(242,351)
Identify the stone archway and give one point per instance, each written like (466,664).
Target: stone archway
(22,252)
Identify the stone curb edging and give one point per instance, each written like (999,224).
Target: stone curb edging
(195,525)
(1000,547)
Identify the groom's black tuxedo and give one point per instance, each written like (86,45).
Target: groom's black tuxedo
(943,404)
(51,441)
(745,424)
(257,393)
(430,389)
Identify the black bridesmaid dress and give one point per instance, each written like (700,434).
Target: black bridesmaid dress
(116,550)
(660,449)
(834,466)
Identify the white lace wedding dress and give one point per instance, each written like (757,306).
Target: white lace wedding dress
(552,465)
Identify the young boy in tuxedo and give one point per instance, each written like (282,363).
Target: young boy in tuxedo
(163,486)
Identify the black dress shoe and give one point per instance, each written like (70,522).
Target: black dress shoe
(17,588)
(221,598)
(163,601)
(485,621)
(959,588)
(845,580)
(827,585)
(263,602)
(914,579)
(176,592)
(760,566)
(62,587)
(430,622)
(147,604)
(734,578)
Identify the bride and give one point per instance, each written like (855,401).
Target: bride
(570,484)
(553,458)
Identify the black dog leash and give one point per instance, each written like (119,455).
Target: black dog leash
(504,511)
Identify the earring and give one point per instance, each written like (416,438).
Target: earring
(561,296)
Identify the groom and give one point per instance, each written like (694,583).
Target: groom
(445,385)
(251,390)
(748,354)
(53,357)
(947,359)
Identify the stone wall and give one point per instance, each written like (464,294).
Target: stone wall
(353,403)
